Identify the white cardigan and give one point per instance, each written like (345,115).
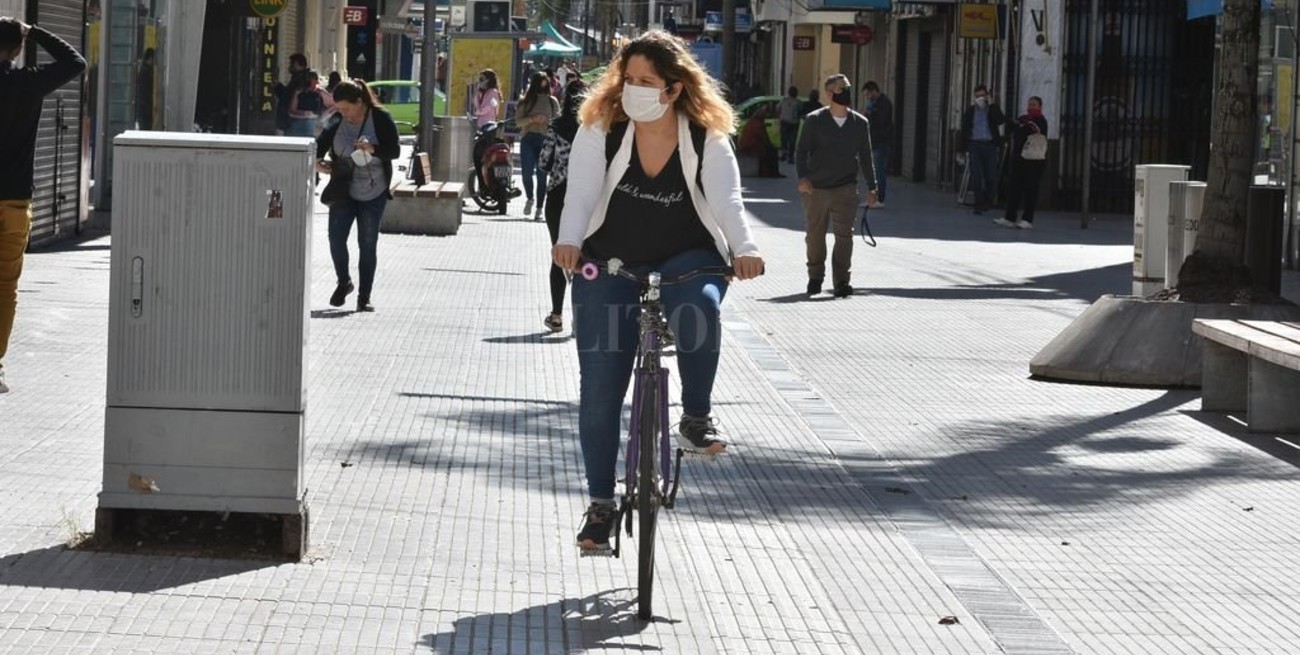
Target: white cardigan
(720,207)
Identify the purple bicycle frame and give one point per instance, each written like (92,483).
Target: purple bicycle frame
(642,375)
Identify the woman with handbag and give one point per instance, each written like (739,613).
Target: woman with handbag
(361,147)
(1026,162)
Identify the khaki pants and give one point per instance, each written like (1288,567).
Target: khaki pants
(15,225)
(836,207)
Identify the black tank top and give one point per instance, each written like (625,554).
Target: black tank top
(649,220)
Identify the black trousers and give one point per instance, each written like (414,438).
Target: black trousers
(554,207)
(1022,188)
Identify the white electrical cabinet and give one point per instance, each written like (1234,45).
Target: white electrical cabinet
(207,335)
(1150,224)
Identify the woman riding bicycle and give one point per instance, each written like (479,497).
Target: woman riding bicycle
(656,205)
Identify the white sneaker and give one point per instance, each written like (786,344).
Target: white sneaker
(528,207)
(1024,224)
(878,205)
(4,388)
(1003,222)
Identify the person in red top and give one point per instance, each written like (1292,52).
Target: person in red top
(23,91)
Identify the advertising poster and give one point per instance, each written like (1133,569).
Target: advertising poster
(468,56)
(1041,31)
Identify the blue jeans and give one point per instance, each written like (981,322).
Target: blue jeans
(982,159)
(367,215)
(530,148)
(880,160)
(605,313)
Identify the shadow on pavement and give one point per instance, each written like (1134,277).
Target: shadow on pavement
(331,313)
(470,271)
(535,337)
(1085,285)
(572,625)
(57,567)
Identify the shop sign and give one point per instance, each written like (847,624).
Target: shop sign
(805,43)
(977,21)
(269,38)
(356,16)
(744,21)
(852,34)
(267,8)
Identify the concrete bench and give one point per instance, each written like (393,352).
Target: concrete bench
(1252,366)
(433,208)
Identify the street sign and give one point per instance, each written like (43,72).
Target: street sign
(267,8)
(977,21)
(357,16)
(852,34)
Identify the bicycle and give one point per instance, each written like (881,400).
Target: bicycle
(648,487)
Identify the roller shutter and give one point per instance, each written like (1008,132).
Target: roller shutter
(58,200)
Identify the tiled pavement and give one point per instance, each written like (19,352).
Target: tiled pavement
(893,465)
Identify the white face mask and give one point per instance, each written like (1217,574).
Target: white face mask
(982,101)
(642,103)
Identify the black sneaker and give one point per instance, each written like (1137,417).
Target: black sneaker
(843,290)
(341,293)
(593,539)
(814,287)
(698,435)
(363,304)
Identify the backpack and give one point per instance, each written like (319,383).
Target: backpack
(614,139)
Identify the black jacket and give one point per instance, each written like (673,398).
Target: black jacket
(996,120)
(882,122)
(388,149)
(22,95)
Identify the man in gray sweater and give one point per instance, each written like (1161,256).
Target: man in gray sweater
(834,146)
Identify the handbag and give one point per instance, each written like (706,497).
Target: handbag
(1035,148)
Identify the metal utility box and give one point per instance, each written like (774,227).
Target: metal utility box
(1185,202)
(1150,224)
(208,314)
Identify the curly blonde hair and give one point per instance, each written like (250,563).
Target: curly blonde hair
(701,98)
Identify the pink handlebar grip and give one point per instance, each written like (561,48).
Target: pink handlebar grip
(590,271)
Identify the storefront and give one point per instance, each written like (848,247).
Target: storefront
(59,206)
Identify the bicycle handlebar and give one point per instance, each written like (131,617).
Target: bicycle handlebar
(591,270)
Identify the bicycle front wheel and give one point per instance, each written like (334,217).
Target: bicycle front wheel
(647,503)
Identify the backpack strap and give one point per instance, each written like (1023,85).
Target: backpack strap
(614,139)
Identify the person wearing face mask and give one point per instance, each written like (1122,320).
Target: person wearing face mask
(834,147)
(1026,164)
(536,111)
(487,98)
(639,191)
(362,147)
(23,92)
(981,137)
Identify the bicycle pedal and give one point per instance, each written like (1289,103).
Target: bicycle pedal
(599,551)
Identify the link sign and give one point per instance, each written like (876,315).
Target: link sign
(267,8)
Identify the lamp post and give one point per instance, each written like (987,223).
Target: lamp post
(1090,97)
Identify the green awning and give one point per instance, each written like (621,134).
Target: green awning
(553,35)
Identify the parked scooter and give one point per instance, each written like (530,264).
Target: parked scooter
(491,180)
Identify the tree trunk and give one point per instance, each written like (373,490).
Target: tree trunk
(1216,265)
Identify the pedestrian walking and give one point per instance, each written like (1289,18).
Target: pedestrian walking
(554,159)
(834,147)
(284,91)
(309,104)
(880,112)
(487,98)
(362,147)
(789,115)
(536,111)
(653,182)
(1027,160)
(981,137)
(811,105)
(144,91)
(23,90)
